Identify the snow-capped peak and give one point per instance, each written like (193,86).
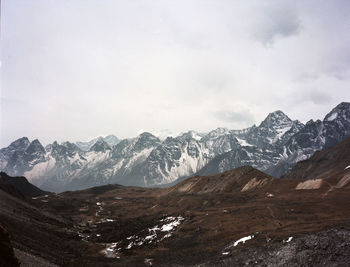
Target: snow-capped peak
(274,119)
(145,140)
(35,146)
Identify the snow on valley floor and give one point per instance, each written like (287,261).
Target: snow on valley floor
(237,242)
(40,197)
(111,250)
(156,234)
(242,240)
(288,239)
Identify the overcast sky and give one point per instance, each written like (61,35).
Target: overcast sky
(73,70)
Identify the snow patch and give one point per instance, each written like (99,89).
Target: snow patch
(288,239)
(281,132)
(332,117)
(111,250)
(269,195)
(170,224)
(243,240)
(243,142)
(40,197)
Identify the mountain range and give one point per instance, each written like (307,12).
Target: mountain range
(273,147)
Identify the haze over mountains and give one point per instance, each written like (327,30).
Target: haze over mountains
(274,147)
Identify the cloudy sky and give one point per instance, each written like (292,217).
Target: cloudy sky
(72,70)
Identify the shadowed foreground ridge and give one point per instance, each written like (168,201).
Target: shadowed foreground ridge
(19,186)
(7,257)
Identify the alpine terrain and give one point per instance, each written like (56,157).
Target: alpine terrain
(236,218)
(274,147)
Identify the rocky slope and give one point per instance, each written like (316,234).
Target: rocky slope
(325,248)
(274,146)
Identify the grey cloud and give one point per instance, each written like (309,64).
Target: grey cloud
(276,21)
(318,97)
(314,96)
(238,117)
(75,69)
(307,76)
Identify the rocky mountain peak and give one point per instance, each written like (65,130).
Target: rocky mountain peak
(62,150)
(218,132)
(111,140)
(20,144)
(147,136)
(191,135)
(35,147)
(340,112)
(145,140)
(100,146)
(70,146)
(148,139)
(275,119)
